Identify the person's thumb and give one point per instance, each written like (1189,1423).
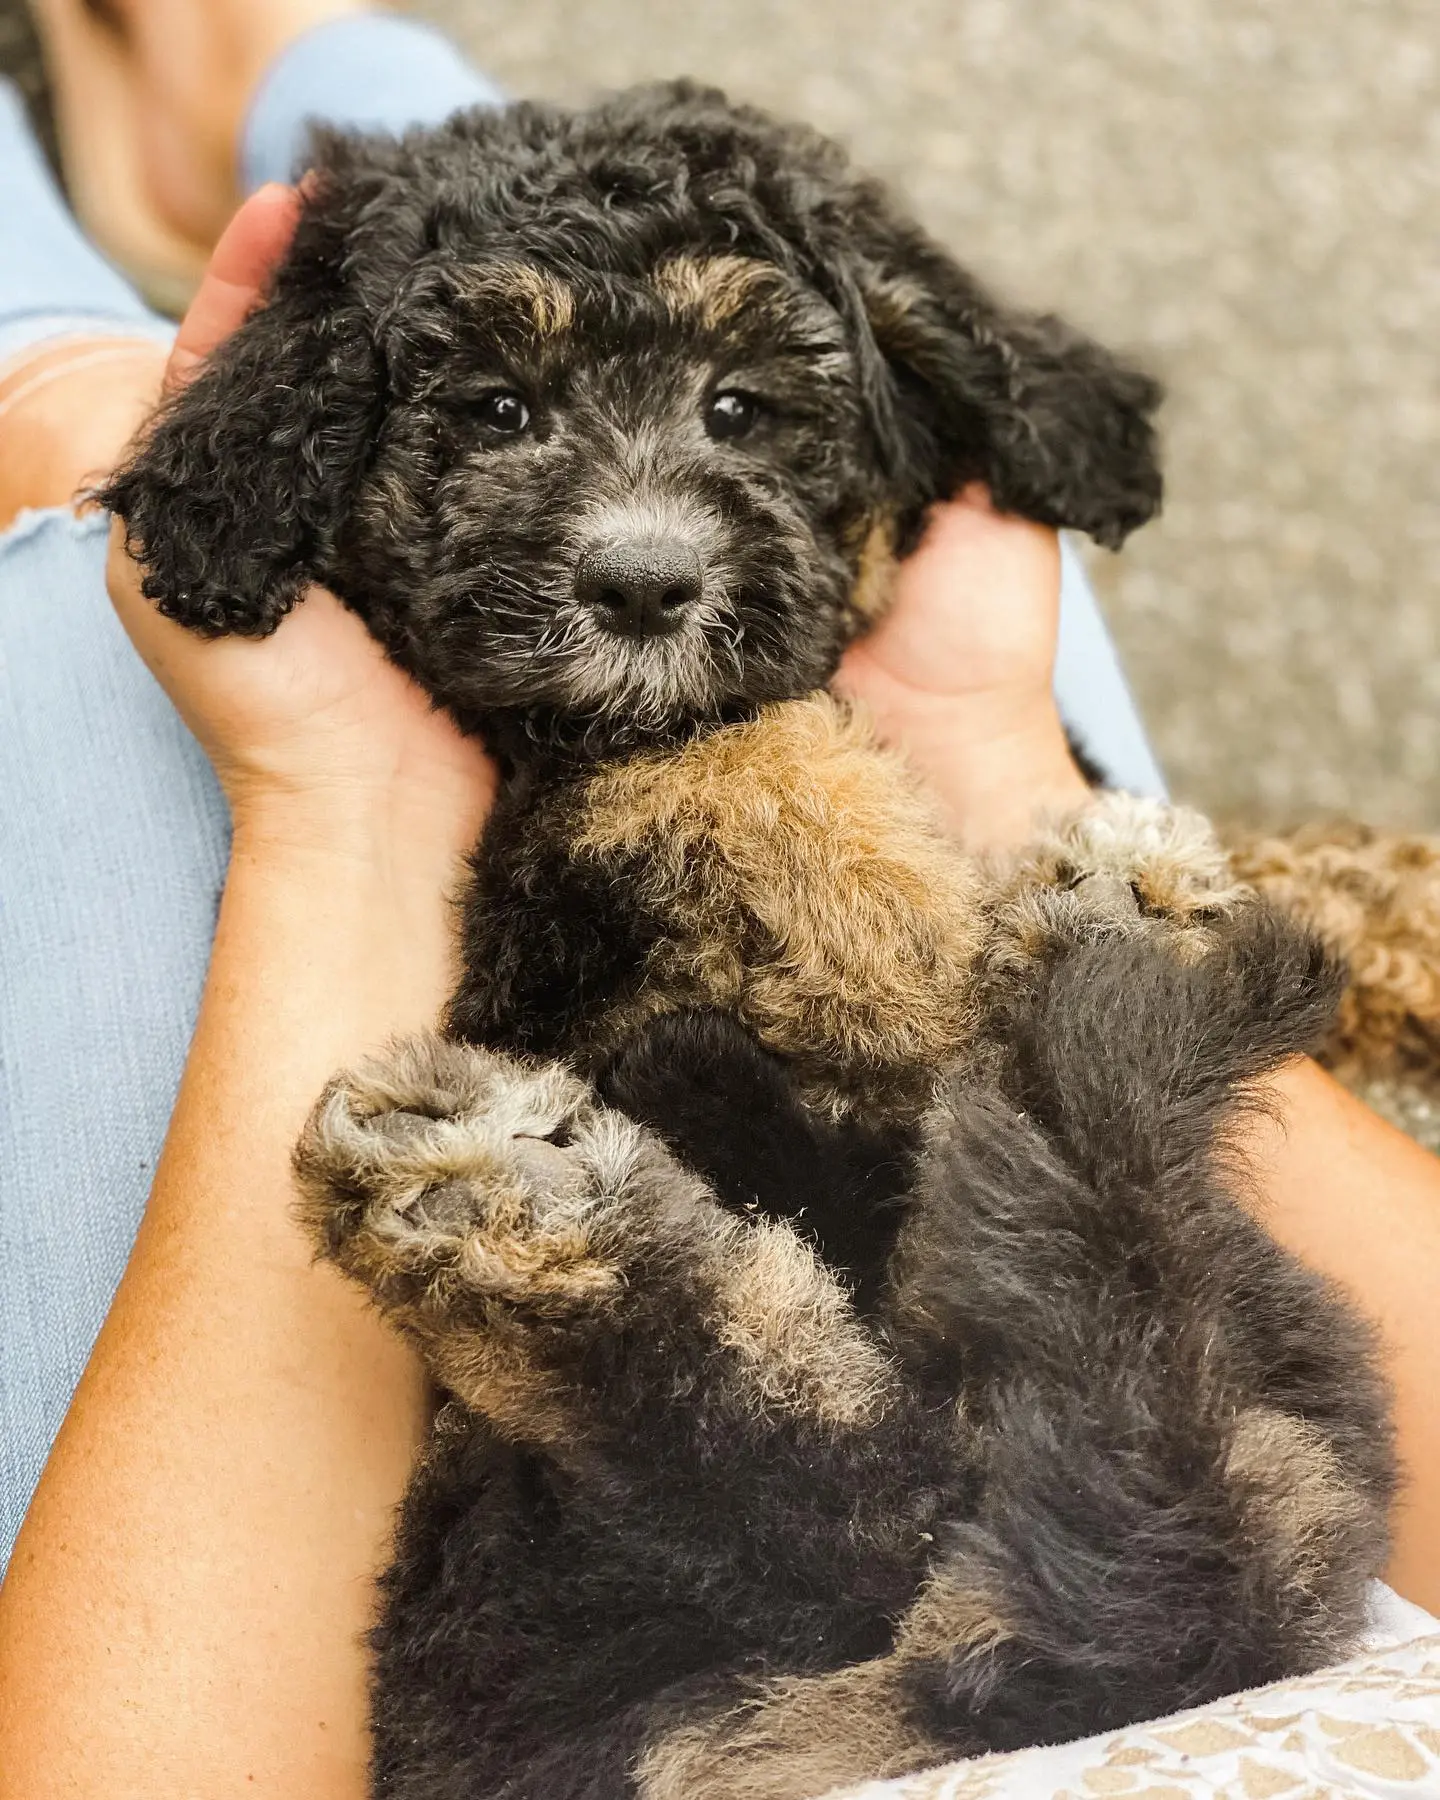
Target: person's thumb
(249,248)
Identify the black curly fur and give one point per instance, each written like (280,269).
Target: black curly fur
(1075,1264)
(727,1109)
(1138,1454)
(1107,1321)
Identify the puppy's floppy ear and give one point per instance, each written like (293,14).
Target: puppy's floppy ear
(1059,428)
(957,385)
(234,498)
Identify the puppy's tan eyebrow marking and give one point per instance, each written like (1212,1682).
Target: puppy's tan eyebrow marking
(711,288)
(548,300)
(551,301)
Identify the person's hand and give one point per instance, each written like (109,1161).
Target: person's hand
(312,729)
(958,674)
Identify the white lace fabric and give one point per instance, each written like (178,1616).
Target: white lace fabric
(1368,1729)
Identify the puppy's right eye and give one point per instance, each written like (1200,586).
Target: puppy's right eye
(503,411)
(731,414)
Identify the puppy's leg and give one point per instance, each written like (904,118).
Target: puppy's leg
(1183,1490)
(730,1110)
(507,1221)
(801,1736)
(565,1278)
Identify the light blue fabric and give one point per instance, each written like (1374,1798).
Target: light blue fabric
(113,841)
(372,73)
(52,279)
(1095,701)
(113,835)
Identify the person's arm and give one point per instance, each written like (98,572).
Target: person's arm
(186,1604)
(184,1609)
(1359,1201)
(959,676)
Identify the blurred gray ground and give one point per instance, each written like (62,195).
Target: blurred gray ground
(1247,193)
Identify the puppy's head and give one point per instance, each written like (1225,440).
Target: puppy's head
(613,420)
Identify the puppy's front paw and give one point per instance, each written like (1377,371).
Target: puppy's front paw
(1122,866)
(1167,858)
(438,1170)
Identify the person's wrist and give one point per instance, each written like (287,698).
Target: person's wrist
(375,892)
(415,839)
(998,762)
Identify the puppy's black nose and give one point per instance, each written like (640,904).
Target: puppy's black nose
(641,589)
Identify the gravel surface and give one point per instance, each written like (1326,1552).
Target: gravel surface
(1244,192)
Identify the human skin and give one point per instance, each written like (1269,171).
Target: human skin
(149,98)
(184,1610)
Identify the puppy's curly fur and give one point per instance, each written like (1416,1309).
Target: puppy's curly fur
(857,1353)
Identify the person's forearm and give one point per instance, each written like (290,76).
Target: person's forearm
(1360,1202)
(186,1603)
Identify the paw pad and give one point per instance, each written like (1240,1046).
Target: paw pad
(438,1150)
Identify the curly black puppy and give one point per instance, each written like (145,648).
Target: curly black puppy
(857,1354)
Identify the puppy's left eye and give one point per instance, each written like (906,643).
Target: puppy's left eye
(731,414)
(504,411)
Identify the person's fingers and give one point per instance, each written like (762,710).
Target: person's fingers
(249,249)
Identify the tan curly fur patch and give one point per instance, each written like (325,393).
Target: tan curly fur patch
(1295,1490)
(1374,897)
(713,288)
(1168,855)
(948,1616)
(803,1735)
(875,570)
(398,1145)
(805,886)
(551,302)
(804,1350)
(548,301)
(1119,862)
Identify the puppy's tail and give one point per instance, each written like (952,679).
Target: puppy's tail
(1182,1439)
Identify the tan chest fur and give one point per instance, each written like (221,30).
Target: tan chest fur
(804,885)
